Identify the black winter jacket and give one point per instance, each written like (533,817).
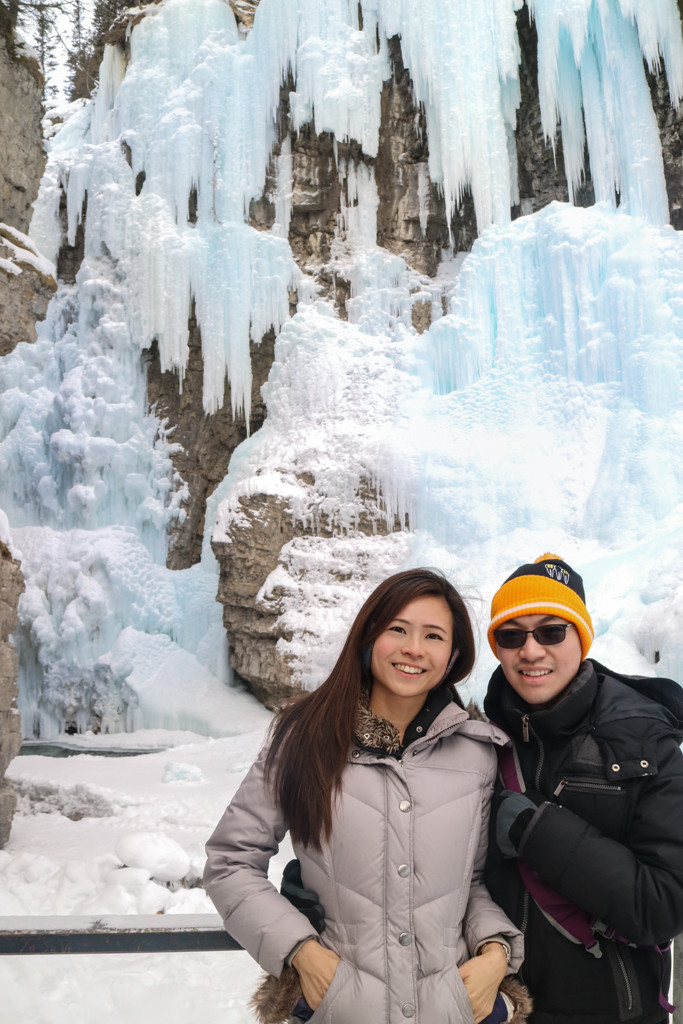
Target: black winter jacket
(605,767)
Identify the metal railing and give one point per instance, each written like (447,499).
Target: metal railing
(129,933)
(162,933)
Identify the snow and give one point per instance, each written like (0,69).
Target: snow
(115,836)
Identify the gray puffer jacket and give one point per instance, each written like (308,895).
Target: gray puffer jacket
(400,878)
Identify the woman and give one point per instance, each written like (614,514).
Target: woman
(384,785)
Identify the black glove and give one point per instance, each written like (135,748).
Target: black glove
(515,811)
(305,900)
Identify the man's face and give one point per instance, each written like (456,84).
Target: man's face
(540,675)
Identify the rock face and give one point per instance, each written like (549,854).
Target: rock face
(21,139)
(26,287)
(26,284)
(11,588)
(208,441)
(260,539)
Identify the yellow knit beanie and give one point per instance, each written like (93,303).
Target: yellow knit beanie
(547,586)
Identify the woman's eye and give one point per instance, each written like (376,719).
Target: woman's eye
(434,636)
(397,629)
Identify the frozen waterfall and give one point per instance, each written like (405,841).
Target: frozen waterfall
(541,410)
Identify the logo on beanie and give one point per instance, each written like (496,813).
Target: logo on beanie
(557,572)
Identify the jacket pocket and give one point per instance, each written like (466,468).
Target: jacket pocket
(323,1011)
(595,800)
(462,1000)
(625,977)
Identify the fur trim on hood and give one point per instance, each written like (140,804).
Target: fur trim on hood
(275,998)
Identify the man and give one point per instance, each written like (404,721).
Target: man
(586,843)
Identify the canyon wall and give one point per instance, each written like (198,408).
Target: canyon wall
(25,290)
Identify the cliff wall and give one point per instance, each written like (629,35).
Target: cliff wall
(26,285)
(11,589)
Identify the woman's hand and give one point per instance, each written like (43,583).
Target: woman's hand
(482,976)
(316,967)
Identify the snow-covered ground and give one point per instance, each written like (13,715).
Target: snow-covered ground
(124,835)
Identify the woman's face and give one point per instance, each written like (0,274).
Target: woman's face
(410,656)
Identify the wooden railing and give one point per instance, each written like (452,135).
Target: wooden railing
(161,933)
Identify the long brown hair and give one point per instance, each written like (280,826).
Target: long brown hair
(313,733)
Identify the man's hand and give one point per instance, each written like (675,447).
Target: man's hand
(316,967)
(482,976)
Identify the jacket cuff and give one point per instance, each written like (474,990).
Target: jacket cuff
(290,956)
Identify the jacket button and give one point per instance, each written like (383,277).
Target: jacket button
(355,753)
(405,938)
(408,1010)
(644,764)
(404,805)
(404,870)
(616,767)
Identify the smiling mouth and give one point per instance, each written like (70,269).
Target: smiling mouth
(412,670)
(534,673)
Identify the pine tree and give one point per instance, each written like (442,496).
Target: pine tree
(85,55)
(37,20)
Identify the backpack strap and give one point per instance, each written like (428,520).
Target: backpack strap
(562,914)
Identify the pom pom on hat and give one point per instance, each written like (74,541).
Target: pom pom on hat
(547,586)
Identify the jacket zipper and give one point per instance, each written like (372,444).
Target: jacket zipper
(584,786)
(525,912)
(627,983)
(527,733)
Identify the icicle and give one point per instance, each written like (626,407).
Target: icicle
(590,55)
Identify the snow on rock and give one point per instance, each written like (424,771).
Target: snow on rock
(161,857)
(23,253)
(5,532)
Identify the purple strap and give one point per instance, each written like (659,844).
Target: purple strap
(569,919)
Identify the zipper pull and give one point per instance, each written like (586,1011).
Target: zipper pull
(563,783)
(525,728)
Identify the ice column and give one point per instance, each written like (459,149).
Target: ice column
(590,69)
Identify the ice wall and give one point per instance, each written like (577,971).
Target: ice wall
(542,411)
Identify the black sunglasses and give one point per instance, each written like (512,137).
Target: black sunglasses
(546,636)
